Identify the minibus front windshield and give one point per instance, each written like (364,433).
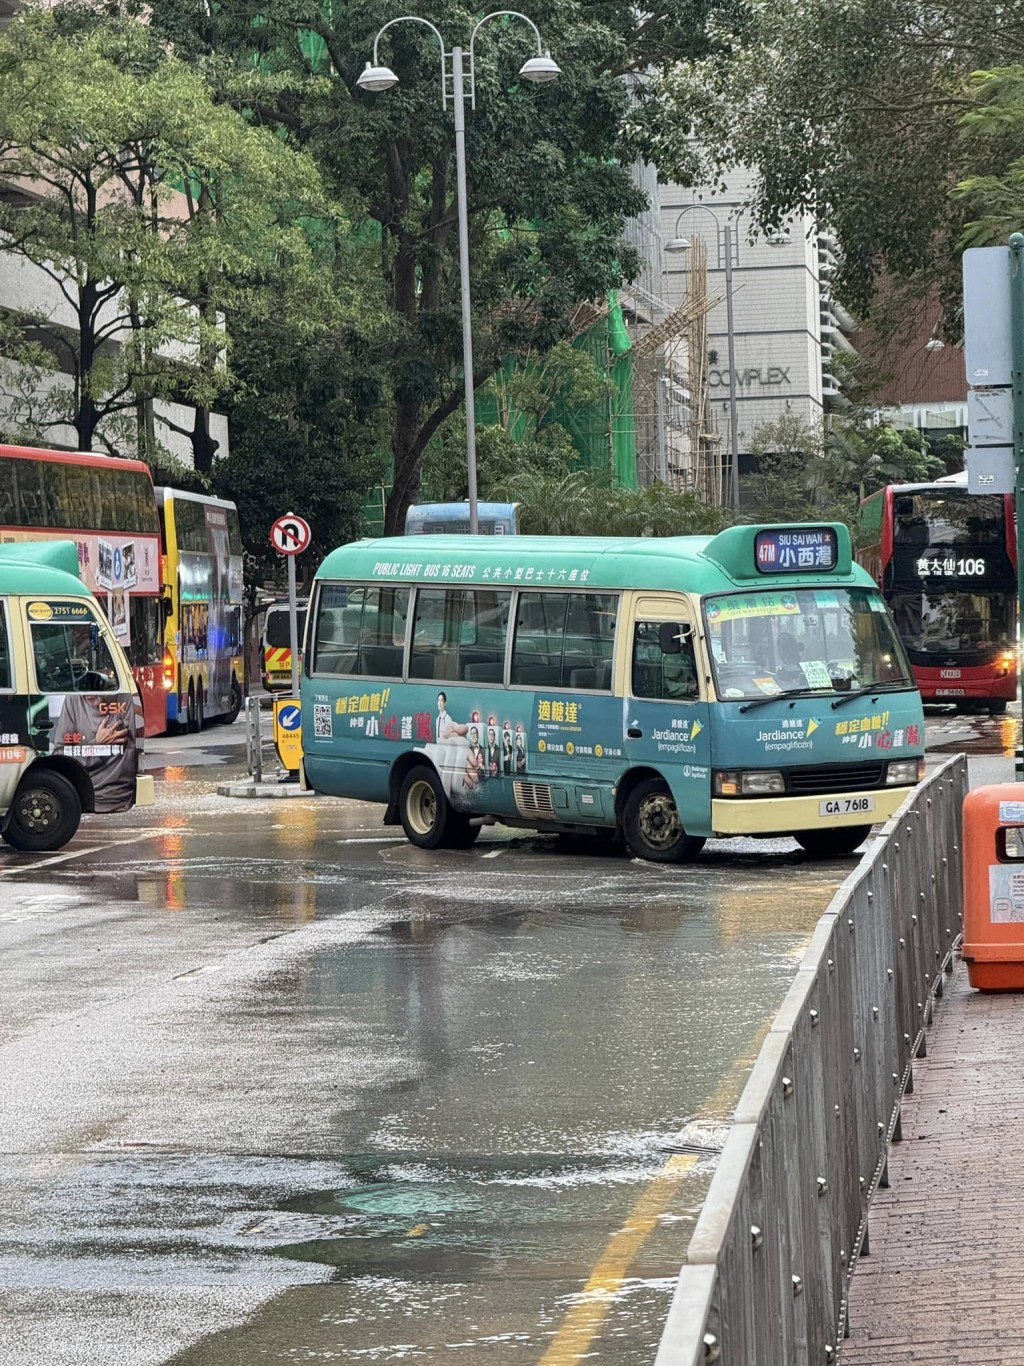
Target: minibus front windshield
(803,641)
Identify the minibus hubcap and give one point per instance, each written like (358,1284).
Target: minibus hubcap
(659,821)
(37,810)
(422,808)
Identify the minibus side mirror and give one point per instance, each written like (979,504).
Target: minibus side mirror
(166,606)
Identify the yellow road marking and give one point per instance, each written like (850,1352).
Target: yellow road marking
(584,1318)
(581,1324)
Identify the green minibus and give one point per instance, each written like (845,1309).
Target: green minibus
(667,689)
(71,728)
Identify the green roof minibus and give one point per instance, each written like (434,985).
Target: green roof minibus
(71,727)
(667,689)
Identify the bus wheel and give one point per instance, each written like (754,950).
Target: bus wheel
(427,816)
(190,711)
(997,707)
(832,843)
(231,715)
(652,827)
(45,812)
(200,709)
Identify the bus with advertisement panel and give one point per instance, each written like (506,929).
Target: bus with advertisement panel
(946,562)
(452,519)
(670,690)
(203,663)
(107,506)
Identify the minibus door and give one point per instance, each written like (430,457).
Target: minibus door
(667,723)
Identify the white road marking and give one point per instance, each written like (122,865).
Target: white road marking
(494,853)
(76,853)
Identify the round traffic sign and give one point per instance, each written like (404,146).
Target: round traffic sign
(290,534)
(289,718)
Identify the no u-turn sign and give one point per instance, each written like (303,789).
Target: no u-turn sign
(290,534)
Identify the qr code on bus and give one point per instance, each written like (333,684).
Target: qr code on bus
(323,724)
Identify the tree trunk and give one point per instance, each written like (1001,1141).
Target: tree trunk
(204,445)
(406,453)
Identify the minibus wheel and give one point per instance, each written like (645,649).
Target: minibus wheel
(835,843)
(427,816)
(997,706)
(651,825)
(45,813)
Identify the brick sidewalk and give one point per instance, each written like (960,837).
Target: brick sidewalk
(945,1279)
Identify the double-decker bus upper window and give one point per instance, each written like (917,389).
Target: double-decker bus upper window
(80,495)
(31,506)
(55,494)
(951,519)
(107,504)
(564,640)
(8,493)
(124,496)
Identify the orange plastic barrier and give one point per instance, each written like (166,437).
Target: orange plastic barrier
(993,844)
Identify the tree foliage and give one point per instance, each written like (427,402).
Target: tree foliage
(549,191)
(577,504)
(855,113)
(153,212)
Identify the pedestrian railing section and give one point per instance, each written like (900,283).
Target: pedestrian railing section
(786,1216)
(255,740)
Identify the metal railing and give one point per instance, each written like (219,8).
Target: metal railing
(767,1271)
(255,740)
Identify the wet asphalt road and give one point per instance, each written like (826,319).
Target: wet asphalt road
(277,1087)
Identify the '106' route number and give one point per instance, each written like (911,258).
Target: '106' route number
(846,806)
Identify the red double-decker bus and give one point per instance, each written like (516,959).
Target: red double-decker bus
(108,507)
(946,562)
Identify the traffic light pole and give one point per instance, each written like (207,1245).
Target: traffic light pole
(1017,380)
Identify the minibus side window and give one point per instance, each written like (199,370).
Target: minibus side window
(664,663)
(459,635)
(360,630)
(72,657)
(564,640)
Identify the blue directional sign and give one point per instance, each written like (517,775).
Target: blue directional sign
(289,718)
(117,564)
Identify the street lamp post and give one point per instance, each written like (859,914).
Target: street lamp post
(539,69)
(728,255)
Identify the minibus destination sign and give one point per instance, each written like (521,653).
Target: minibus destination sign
(796,550)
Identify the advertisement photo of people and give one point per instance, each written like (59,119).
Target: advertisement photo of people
(470,753)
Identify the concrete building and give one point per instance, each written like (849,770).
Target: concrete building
(786,326)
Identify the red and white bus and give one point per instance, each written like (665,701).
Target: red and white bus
(946,562)
(108,507)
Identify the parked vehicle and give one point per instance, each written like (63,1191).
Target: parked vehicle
(71,723)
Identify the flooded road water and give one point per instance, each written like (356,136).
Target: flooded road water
(277,1087)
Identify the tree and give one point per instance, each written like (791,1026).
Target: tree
(146,210)
(548,191)
(520,431)
(578,504)
(854,113)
